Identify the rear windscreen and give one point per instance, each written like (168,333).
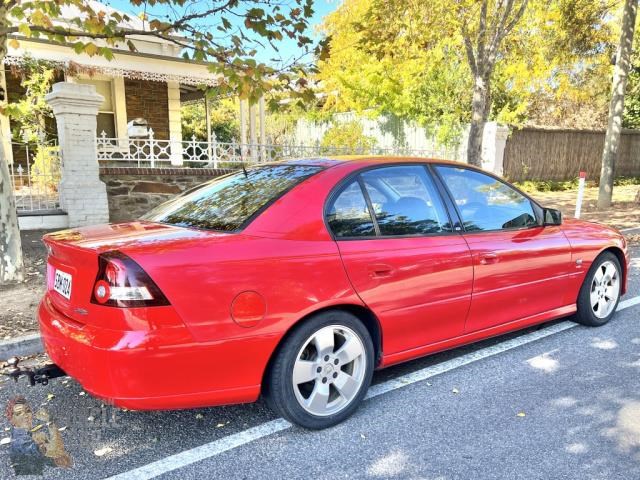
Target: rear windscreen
(228,202)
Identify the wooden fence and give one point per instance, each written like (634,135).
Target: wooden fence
(546,154)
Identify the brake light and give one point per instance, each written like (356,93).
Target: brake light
(121,282)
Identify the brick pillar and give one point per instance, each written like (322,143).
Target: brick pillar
(82,195)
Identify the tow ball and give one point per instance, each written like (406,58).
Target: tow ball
(40,375)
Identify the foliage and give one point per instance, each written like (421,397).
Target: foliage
(408,58)
(224,121)
(45,170)
(348,136)
(31,115)
(533,186)
(224,33)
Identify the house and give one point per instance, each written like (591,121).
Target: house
(148,84)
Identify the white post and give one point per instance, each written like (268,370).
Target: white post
(213,142)
(82,195)
(263,141)
(252,131)
(175,124)
(152,148)
(583,177)
(207,116)
(243,130)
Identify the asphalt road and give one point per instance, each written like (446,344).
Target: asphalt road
(566,406)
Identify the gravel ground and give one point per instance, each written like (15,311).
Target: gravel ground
(19,302)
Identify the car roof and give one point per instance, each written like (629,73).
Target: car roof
(364,160)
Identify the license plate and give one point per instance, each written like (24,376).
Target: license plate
(62,283)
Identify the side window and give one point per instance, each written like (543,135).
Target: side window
(349,215)
(486,203)
(405,201)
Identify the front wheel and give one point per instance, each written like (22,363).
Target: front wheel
(600,292)
(322,371)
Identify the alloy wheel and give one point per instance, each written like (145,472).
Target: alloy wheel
(605,289)
(329,370)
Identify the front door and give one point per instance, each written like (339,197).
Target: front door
(520,267)
(400,253)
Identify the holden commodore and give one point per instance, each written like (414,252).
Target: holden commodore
(296,280)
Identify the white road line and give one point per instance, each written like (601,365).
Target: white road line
(225,444)
(630,230)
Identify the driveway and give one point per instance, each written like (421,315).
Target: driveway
(559,401)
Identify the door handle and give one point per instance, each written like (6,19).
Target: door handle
(488,258)
(380,270)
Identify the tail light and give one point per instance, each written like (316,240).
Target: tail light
(121,282)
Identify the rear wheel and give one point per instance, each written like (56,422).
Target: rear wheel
(600,291)
(322,371)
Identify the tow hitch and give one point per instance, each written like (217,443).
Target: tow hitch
(40,375)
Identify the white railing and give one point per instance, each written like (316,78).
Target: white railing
(152,152)
(35,175)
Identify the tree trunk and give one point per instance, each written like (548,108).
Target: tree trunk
(479,114)
(11,268)
(616,107)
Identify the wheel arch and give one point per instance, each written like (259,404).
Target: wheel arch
(364,314)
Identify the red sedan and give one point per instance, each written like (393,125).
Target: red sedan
(296,280)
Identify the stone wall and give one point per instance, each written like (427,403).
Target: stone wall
(134,191)
(148,100)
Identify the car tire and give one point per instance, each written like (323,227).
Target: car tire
(600,291)
(322,370)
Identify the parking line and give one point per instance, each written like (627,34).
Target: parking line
(211,449)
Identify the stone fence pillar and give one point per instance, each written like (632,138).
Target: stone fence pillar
(494,141)
(82,195)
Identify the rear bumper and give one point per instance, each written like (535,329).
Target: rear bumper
(148,370)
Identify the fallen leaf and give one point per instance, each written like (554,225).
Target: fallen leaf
(362,435)
(50,396)
(5,441)
(199,416)
(36,428)
(82,393)
(102,451)
(521,414)
(62,429)
(220,425)
(455,391)
(91,419)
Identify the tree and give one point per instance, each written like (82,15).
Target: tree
(408,59)
(616,107)
(483,34)
(233,30)
(427,34)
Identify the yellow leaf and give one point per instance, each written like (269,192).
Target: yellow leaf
(13,43)
(91,49)
(521,414)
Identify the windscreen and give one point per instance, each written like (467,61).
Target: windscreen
(225,204)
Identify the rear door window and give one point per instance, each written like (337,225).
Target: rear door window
(405,201)
(229,202)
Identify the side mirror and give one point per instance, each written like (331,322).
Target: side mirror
(551,216)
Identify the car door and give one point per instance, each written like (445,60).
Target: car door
(521,268)
(401,255)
